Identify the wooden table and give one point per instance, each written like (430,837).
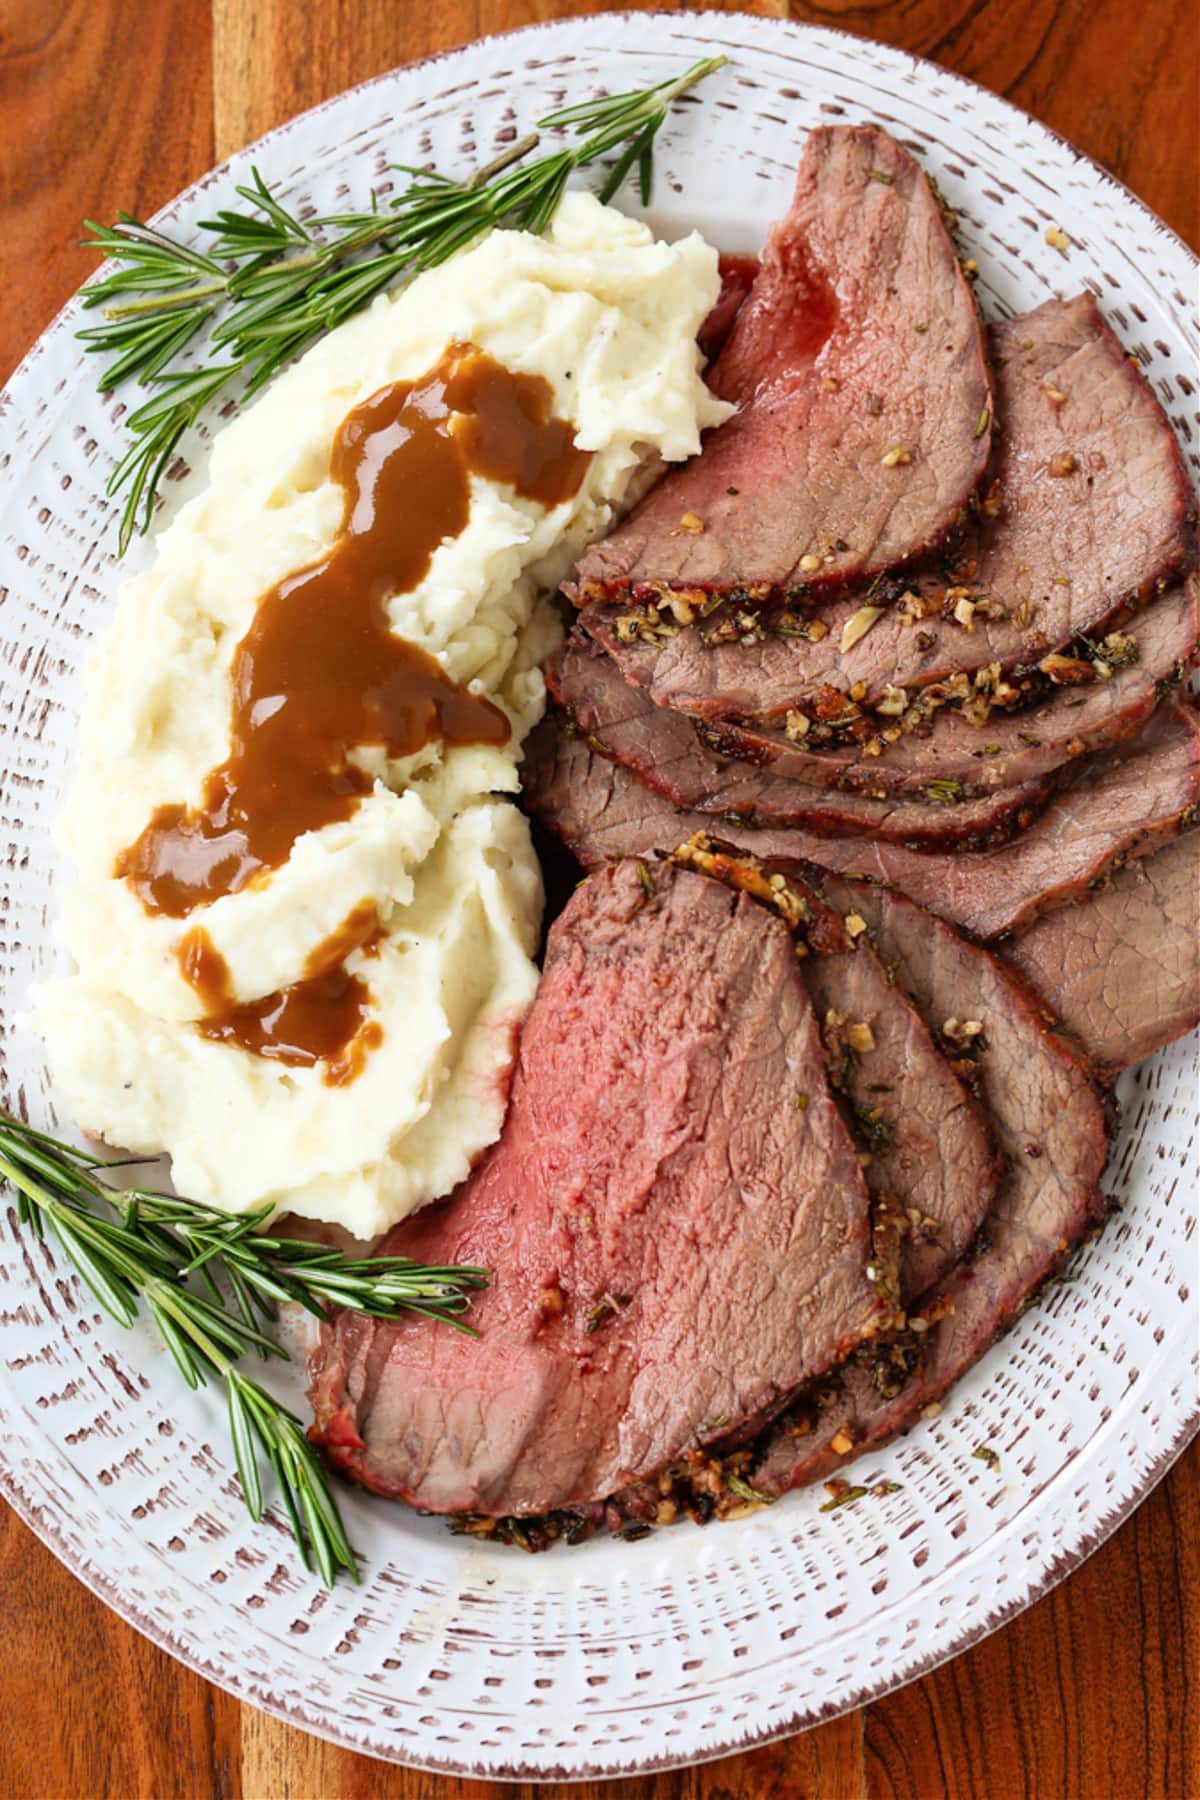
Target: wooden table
(107,103)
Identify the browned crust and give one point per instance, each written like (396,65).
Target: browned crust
(984,823)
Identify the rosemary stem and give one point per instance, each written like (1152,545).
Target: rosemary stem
(690,78)
(16,1177)
(505,160)
(147,1255)
(282,282)
(133,309)
(309,259)
(167,1295)
(329,253)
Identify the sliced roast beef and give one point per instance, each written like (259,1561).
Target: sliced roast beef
(1116,806)
(601,811)
(1007,749)
(1121,804)
(1053,1126)
(864,404)
(663,750)
(1095,514)
(1122,966)
(932,1165)
(737,278)
(591,804)
(674,1242)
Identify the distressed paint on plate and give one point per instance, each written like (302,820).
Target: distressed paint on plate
(611,1658)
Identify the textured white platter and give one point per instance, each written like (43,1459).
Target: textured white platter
(611,1657)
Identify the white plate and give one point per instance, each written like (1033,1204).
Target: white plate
(610,1657)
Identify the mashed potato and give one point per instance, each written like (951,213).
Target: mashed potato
(608,318)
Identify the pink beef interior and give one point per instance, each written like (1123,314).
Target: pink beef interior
(676,1244)
(1063,554)
(859,338)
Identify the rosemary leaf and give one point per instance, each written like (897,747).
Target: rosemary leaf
(111,1293)
(158,1247)
(285,283)
(241,1431)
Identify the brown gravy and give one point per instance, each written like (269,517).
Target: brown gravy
(319,672)
(320,1018)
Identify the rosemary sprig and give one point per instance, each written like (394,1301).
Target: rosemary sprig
(262,1269)
(285,283)
(157,1244)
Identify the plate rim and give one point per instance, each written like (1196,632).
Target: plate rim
(95,1581)
(93,1577)
(539,28)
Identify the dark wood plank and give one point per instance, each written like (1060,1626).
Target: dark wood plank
(89,1707)
(1116,79)
(268,66)
(1092,1692)
(92,1709)
(102,104)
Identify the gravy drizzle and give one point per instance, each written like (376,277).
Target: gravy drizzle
(320,1018)
(319,673)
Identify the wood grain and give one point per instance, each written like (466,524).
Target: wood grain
(1105,74)
(89,1707)
(84,129)
(1091,1693)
